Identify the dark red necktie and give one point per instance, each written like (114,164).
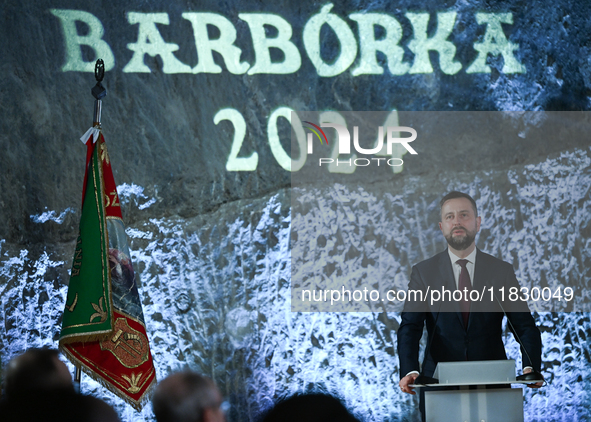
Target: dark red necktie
(464,283)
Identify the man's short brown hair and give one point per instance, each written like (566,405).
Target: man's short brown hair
(456,194)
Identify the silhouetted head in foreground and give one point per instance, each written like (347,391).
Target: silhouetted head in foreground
(187,397)
(309,408)
(39,387)
(36,369)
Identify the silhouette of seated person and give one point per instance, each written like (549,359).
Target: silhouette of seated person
(314,407)
(187,397)
(38,387)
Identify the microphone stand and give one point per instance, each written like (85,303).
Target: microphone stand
(530,377)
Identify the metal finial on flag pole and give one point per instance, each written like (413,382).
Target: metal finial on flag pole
(98,91)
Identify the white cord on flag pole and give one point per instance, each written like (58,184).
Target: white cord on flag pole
(90,132)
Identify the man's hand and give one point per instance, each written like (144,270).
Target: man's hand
(405,383)
(536,385)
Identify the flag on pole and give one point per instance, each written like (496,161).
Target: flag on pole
(103,328)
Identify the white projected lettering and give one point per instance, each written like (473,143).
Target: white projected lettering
(93,39)
(368,64)
(494,42)
(420,44)
(357,52)
(224,44)
(150,41)
(348,44)
(283,159)
(234,162)
(394,147)
(263,64)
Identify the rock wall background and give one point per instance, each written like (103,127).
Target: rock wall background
(212,247)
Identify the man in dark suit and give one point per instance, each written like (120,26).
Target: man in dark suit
(460,330)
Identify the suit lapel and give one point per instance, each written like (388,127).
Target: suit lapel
(447,274)
(480,273)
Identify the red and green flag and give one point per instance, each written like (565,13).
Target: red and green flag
(103,328)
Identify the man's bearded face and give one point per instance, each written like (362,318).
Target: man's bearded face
(460,238)
(459,223)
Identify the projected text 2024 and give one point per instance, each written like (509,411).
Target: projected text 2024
(388,143)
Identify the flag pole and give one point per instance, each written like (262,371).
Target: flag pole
(77,376)
(102,348)
(98,92)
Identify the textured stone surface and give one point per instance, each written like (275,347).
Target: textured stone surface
(160,126)
(212,246)
(216,296)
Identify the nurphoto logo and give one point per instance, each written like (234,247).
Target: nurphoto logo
(344,144)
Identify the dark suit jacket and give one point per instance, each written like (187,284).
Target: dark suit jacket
(450,340)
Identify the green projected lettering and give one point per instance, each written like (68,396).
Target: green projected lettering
(356,53)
